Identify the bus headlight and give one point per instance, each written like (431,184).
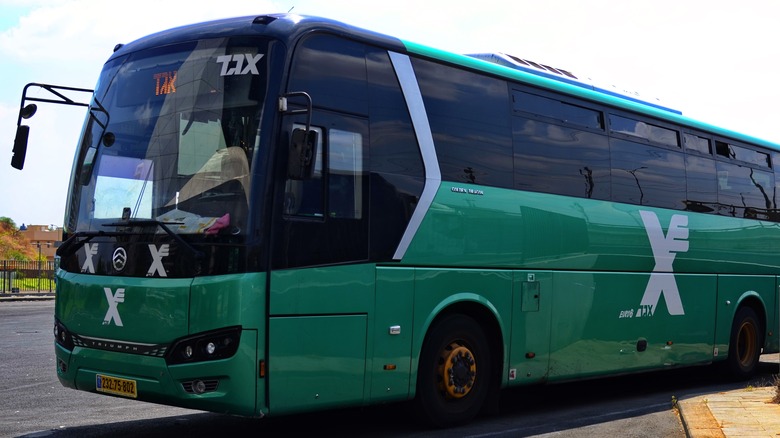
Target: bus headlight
(218,344)
(62,336)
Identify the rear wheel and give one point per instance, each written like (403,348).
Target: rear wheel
(744,344)
(453,378)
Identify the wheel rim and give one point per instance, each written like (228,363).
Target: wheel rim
(747,344)
(457,370)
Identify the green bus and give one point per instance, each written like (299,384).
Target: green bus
(277,214)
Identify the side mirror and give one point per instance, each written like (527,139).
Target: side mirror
(27,111)
(20,146)
(300,162)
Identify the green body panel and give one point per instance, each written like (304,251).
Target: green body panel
(598,324)
(524,230)
(583,311)
(529,351)
(772,301)
(320,291)
(228,300)
(318,336)
(153,310)
(394,301)
(159,311)
(316,362)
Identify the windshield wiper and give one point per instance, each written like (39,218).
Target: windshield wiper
(164,226)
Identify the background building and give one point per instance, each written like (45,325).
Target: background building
(46,238)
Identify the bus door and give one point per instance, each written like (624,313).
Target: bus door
(321,288)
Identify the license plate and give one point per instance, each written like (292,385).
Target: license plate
(116,386)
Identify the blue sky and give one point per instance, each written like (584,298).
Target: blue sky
(11,14)
(715,60)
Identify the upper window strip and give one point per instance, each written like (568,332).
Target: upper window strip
(742,154)
(641,129)
(556,109)
(696,143)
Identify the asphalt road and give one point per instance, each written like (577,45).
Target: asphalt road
(34,404)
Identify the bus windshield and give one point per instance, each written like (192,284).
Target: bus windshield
(182,127)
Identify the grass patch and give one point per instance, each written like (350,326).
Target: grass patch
(32,284)
(776,384)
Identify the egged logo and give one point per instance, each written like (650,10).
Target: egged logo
(665,248)
(112,314)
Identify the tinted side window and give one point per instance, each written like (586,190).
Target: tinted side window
(554,159)
(647,175)
(469,117)
(333,71)
(394,146)
(347,176)
(702,186)
(744,191)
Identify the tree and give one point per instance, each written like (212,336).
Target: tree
(12,245)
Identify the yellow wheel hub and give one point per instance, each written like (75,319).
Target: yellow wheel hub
(457,369)
(746,343)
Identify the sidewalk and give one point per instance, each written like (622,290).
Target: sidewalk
(746,412)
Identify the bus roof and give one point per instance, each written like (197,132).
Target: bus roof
(563,76)
(594,94)
(289,27)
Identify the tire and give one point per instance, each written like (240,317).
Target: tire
(453,377)
(744,344)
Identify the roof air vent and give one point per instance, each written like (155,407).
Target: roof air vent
(263,19)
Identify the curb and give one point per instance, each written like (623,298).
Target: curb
(733,413)
(12,297)
(697,420)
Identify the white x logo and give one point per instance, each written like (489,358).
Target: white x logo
(89,251)
(665,248)
(157,265)
(113,301)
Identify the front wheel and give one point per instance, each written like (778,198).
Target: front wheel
(744,344)
(453,378)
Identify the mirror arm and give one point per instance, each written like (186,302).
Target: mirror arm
(53,89)
(25,112)
(283,106)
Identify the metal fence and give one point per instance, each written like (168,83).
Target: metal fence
(16,276)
